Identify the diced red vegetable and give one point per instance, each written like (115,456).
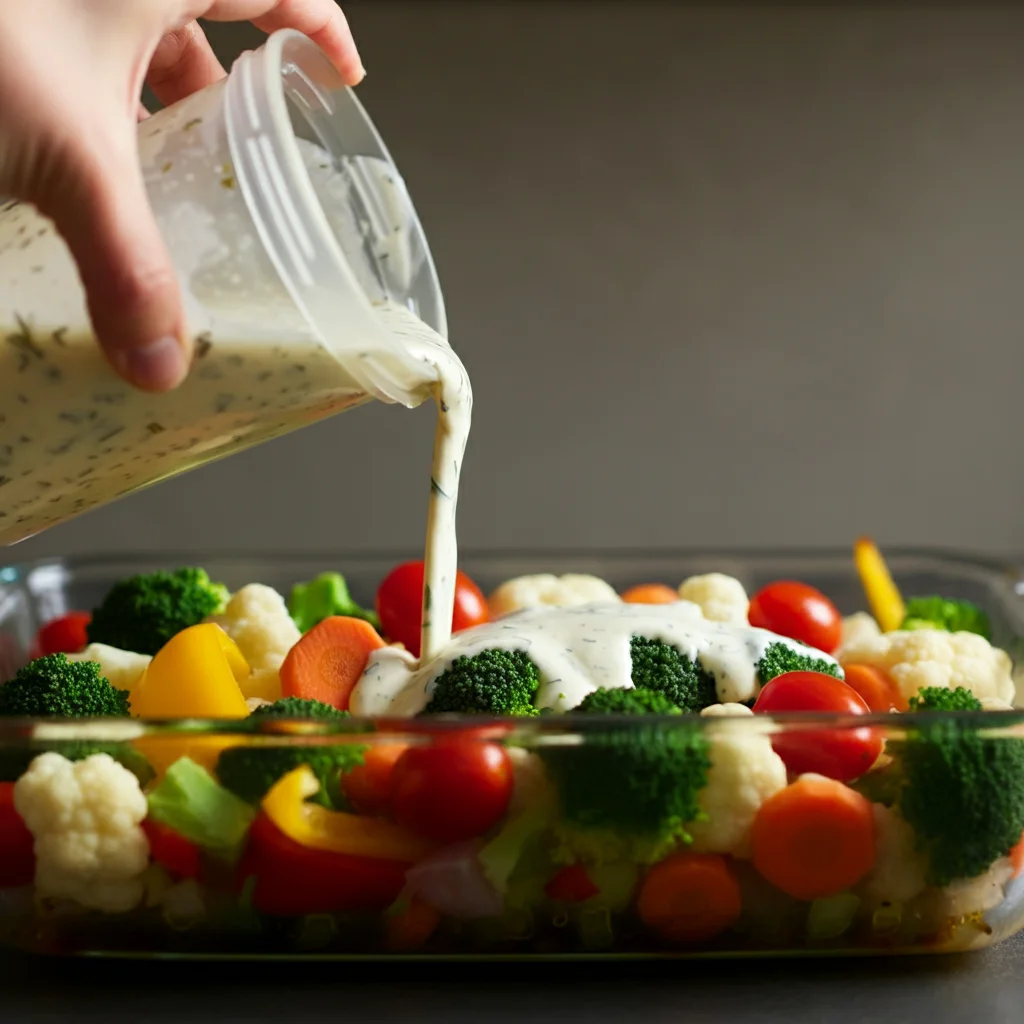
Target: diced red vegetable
(17,854)
(571,885)
(171,850)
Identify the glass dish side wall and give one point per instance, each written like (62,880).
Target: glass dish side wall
(31,594)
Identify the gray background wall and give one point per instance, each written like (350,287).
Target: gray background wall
(722,275)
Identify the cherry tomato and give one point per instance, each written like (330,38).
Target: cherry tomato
(799,612)
(571,885)
(65,635)
(452,790)
(400,605)
(17,847)
(841,754)
(293,880)
(171,850)
(368,785)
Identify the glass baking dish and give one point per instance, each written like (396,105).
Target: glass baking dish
(249,906)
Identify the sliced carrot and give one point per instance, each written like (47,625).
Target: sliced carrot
(878,688)
(650,593)
(571,885)
(327,662)
(1017,857)
(815,838)
(368,786)
(689,897)
(411,928)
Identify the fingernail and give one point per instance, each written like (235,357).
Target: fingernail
(158,366)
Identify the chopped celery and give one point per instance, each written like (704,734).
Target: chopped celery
(190,801)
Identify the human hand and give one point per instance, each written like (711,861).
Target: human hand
(71,79)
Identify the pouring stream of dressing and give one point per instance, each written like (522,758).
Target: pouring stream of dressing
(453,397)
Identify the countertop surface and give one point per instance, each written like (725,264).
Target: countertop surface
(981,987)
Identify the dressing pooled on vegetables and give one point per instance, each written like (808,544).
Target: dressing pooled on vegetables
(577,650)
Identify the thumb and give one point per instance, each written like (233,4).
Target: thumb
(102,211)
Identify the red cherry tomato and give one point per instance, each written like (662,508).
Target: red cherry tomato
(292,880)
(452,790)
(841,754)
(17,847)
(400,605)
(171,850)
(799,612)
(65,635)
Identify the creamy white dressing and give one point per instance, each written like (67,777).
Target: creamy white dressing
(577,650)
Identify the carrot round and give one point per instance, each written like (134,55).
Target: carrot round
(411,928)
(327,662)
(650,593)
(368,785)
(689,897)
(878,688)
(815,838)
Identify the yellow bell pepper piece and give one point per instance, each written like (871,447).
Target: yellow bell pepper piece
(196,674)
(316,827)
(265,685)
(881,591)
(162,751)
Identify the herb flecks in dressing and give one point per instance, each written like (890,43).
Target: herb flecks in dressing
(577,650)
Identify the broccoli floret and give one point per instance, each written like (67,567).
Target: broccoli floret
(326,595)
(494,682)
(54,687)
(142,613)
(961,791)
(250,771)
(936,698)
(298,707)
(661,667)
(638,784)
(780,658)
(619,701)
(947,614)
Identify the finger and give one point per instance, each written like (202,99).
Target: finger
(321,20)
(183,63)
(99,205)
(142,113)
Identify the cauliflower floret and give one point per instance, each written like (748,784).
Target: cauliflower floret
(859,628)
(550,592)
(122,669)
(931,657)
(899,872)
(976,895)
(85,818)
(257,619)
(721,598)
(744,772)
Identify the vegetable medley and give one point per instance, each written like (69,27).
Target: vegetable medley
(708,824)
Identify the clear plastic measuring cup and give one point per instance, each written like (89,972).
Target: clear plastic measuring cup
(305,272)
